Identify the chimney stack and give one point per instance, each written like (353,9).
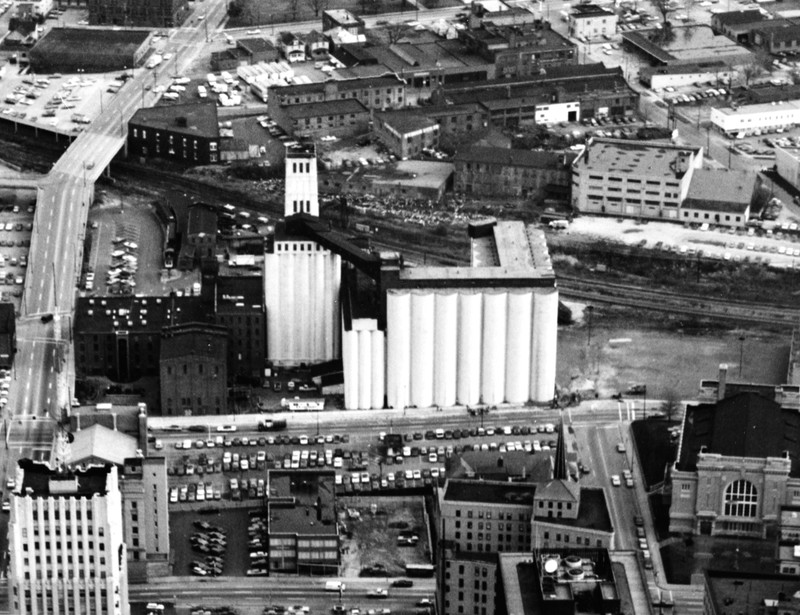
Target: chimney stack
(723,379)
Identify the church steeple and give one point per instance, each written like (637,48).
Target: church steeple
(560,470)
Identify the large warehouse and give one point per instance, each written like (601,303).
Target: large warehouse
(93,50)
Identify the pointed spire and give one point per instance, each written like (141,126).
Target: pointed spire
(560,471)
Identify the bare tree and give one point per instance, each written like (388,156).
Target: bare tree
(751,71)
(664,8)
(671,404)
(396,31)
(317,6)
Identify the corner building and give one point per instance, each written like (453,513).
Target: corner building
(67,550)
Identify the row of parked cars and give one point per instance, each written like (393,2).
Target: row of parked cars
(693,97)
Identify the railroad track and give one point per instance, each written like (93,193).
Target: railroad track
(599,291)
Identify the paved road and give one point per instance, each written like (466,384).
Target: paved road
(254,594)
(44,367)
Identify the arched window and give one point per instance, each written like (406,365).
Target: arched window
(741,499)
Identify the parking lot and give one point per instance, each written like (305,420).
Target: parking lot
(211,467)
(126,250)
(16,224)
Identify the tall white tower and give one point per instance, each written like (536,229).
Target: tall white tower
(301,277)
(301,180)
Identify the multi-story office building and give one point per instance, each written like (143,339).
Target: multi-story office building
(120,337)
(641,179)
(194,372)
(240,309)
(66,544)
(470,583)
(145,516)
(486,516)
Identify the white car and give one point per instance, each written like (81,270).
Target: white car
(615,480)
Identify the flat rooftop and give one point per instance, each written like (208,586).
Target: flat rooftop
(745,110)
(647,158)
(691,44)
(733,592)
(507,253)
(302,502)
(489,492)
(39,480)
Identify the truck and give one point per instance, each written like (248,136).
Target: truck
(272,425)
(154,61)
(334,586)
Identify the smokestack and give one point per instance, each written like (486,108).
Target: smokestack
(723,379)
(143,429)
(114,420)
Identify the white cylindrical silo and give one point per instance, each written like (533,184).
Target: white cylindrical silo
(493,364)
(316,319)
(544,342)
(307,301)
(287,297)
(364,369)
(398,347)
(333,305)
(350,364)
(422,343)
(518,346)
(468,381)
(378,369)
(445,357)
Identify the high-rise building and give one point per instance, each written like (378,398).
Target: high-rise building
(301,277)
(66,545)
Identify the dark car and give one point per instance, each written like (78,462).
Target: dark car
(403,583)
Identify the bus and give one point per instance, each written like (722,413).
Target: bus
(303,405)
(419,570)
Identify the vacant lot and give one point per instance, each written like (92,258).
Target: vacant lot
(374,534)
(614,356)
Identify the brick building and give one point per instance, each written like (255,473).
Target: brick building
(519,50)
(383,92)
(186,133)
(487,171)
(340,118)
(240,309)
(194,373)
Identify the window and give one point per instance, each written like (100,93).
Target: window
(741,499)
